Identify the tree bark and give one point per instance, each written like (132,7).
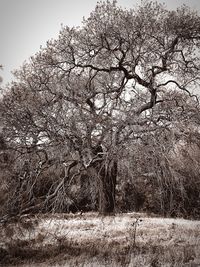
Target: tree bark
(107,188)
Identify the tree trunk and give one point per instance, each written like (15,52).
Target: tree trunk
(107,187)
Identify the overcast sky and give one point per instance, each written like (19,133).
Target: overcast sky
(25,25)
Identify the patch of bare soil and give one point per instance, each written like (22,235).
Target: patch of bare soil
(131,239)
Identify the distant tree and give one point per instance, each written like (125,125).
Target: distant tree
(1,79)
(95,88)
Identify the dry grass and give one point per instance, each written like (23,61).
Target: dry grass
(92,240)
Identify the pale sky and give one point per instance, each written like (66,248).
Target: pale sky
(25,25)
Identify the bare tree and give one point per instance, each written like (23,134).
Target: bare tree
(97,86)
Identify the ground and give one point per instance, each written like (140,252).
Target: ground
(130,239)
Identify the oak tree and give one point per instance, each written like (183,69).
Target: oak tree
(97,87)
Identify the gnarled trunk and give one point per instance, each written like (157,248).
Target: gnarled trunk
(107,187)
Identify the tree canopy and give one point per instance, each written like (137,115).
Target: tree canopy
(80,103)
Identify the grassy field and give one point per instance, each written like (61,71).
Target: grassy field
(130,239)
